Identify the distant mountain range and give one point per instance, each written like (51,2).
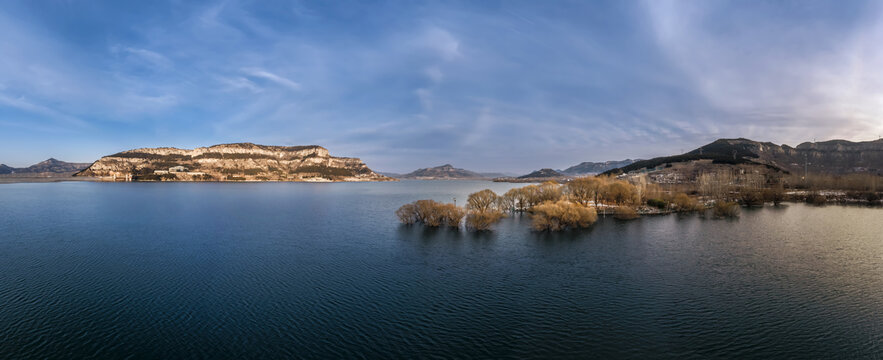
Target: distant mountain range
(444,172)
(49,166)
(587,168)
(830,157)
(542,173)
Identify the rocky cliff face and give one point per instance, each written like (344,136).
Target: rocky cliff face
(231,162)
(830,157)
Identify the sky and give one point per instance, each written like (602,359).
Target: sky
(507,86)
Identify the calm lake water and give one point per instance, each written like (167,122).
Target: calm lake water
(289,270)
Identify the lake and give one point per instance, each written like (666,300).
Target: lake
(297,270)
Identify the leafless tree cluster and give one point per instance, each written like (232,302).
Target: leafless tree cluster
(561,215)
(431,213)
(484,208)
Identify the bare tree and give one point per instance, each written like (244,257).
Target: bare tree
(583,190)
(484,200)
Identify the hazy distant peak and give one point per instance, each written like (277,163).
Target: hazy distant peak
(446,171)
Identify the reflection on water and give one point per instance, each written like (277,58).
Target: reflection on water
(325,271)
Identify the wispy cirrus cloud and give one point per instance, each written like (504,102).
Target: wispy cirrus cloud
(266,75)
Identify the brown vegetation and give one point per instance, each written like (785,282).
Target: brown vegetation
(725,209)
(685,203)
(620,193)
(482,201)
(484,208)
(555,207)
(561,215)
(480,221)
(751,197)
(847,182)
(816,199)
(774,195)
(625,213)
(584,190)
(431,213)
(407,214)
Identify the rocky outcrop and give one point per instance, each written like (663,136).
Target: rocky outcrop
(231,162)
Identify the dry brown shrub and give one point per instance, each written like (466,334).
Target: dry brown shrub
(726,209)
(775,195)
(407,214)
(625,213)
(451,215)
(685,203)
(751,197)
(816,199)
(431,213)
(562,215)
(482,220)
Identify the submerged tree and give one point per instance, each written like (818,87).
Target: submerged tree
(484,200)
(562,215)
(515,200)
(431,213)
(725,209)
(483,220)
(407,214)
(484,209)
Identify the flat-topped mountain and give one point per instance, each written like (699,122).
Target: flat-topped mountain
(830,157)
(587,168)
(446,171)
(231,162)
(49,166)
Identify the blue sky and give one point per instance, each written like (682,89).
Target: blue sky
(485,85)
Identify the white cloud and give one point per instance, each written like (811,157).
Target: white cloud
(240,83)
(263,74)
(763,74)
(442,42)
(434,73)
(24,104)
(151,58)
